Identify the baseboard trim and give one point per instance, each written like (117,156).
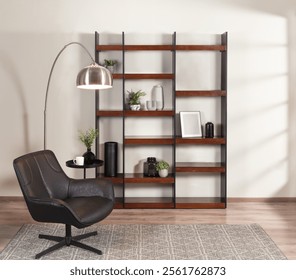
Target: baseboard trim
(230,199)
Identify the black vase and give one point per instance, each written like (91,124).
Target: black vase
(111,159)
(209,130)
(89,157)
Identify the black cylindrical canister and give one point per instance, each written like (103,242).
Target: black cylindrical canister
(209,130)
(110,161)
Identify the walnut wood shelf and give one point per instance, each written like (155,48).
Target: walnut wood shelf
(199,167)
(149,202)
(196,93)
(200,47)
(167,203)
(200,141)
(161,113)
(130,113)
(143,76)
(134,178)
(144,140)
(134,47)
(105,113)
(160,48)
(200,203)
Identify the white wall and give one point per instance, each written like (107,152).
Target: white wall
(261,78)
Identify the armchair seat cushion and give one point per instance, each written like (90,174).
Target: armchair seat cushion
(83,207)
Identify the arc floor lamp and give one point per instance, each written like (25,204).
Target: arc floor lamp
(92,77)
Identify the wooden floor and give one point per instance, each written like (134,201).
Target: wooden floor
(277,219)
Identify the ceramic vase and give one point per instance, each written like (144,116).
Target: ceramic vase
(111,68)
(158,97)
(135,107)
(163,173)
(89,157)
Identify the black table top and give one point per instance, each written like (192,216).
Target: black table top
(96,163)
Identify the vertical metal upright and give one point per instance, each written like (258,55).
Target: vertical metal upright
(224,117)
(174,42)
(97,101)
(123,118)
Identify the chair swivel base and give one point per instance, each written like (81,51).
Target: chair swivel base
(67,241)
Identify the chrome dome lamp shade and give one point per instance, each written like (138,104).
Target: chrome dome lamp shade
(94,77)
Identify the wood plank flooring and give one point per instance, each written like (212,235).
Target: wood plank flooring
(277,219)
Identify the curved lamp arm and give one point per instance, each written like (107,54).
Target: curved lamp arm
(54,63)
(91,77)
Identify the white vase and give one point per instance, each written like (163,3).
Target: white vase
(158,97)
(111,68)
(163,173)
(136,107)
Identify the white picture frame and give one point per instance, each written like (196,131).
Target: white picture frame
(190,124)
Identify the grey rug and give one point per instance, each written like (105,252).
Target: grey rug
(151,242)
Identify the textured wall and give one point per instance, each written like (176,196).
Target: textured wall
(261,79)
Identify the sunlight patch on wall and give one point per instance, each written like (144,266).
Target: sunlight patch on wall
(261,115)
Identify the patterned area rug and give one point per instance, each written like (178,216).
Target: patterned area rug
(152,242)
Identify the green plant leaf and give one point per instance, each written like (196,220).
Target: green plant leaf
(88,137)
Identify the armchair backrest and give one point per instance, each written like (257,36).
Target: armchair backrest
(41,176)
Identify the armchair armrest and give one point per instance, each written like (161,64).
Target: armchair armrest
(91,187)
(46,201)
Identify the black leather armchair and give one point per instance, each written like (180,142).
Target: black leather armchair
(52,197)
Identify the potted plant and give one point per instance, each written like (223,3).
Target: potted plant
(134,99)
(163,168)
(88,138)
(110,64)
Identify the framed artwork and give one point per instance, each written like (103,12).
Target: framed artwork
(190,124)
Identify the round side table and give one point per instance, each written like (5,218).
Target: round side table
(95,164)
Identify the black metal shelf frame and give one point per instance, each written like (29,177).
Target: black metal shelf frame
(221,93)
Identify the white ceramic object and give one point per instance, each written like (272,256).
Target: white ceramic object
(163,173)
(158,97)
(151,105)
(111,68)
(79,160)
(136,107)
